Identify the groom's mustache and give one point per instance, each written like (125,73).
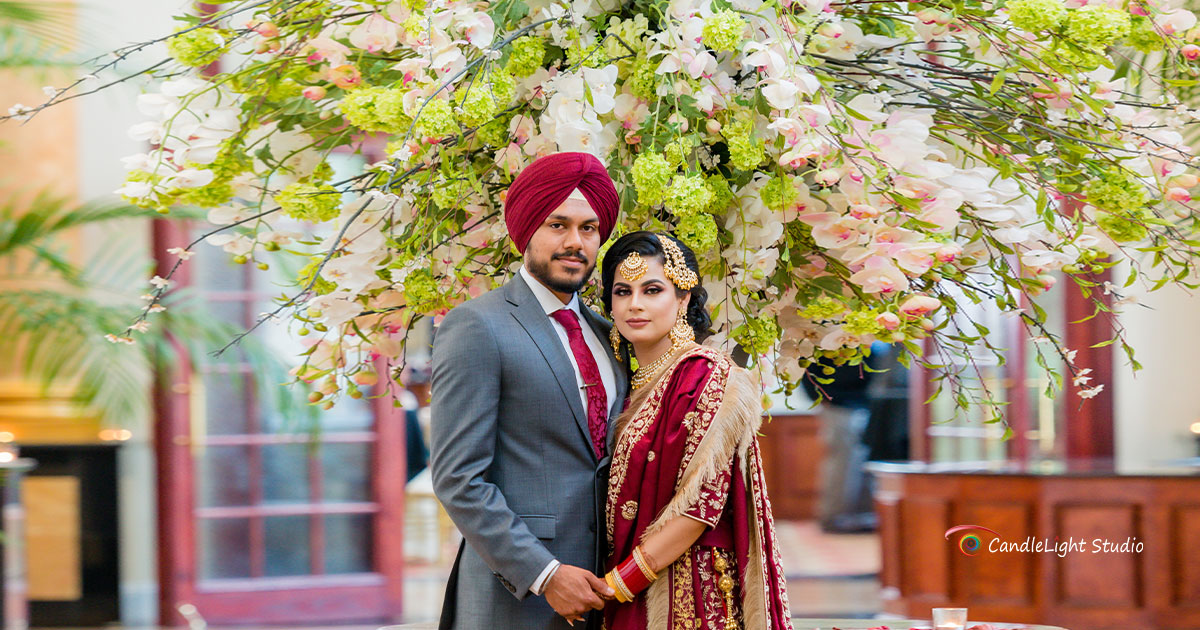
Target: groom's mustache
(576,256)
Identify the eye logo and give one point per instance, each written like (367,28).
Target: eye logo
(969,543)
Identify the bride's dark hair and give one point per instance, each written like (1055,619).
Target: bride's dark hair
(648,245)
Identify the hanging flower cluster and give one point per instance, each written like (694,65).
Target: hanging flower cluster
(844,170)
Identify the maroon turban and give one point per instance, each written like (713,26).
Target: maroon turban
(545,185)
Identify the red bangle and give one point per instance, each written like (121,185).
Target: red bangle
(633,577)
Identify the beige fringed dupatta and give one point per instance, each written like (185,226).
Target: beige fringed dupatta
(697,421)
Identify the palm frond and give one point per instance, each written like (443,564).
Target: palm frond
(48,25)
(60,338)
(27,227)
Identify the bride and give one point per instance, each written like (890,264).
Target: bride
(691,540)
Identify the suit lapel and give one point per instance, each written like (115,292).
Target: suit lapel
(533,319)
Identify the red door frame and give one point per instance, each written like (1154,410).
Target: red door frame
(375,596)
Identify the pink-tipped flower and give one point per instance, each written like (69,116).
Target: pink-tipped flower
(314,92)
(345,76)
(1191,52)
(947,253)
(1179,194)
(828,177)
(889,321)
(831,30)
(266,29)
(366,378)
(919,306)
(863,211)
(1186,180)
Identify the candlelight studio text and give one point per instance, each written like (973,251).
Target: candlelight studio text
(1063,547)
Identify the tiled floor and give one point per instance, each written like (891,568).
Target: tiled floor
(828,575)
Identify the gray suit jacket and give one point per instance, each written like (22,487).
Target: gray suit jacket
(511,457)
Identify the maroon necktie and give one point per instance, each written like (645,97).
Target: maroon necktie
(597,400)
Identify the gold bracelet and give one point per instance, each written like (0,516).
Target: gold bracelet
(640,558)
(618,585)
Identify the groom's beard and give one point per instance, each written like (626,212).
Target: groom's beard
(562,284)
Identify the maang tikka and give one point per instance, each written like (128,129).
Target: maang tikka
(633,267)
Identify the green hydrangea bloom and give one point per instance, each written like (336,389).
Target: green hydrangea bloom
(745,151)
(757,335)
(628,31)
(722,194)
(421,291)
(697,231)
(1118,191)
(1123,228)
(478,107)
(437,120)
(651,172)
(688,195)
(376,109)
(495,133)
(305,276)
(677,151)
(779,193)
(138,175)
(528,54)
(579,55)
(1037,15)
(217,193)
(284,89)
(321,174)
(415,25)
(1142,35)
(1083,60)
(503,86)
(823,308)
(1096,26)
(308,202)
(643,81)
(862,322)
(724,31)
(449,193)
(197,47)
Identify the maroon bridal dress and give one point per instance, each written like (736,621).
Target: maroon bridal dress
(686,445)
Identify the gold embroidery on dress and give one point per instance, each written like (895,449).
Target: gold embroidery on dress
(683,604)
(640,424)
(629,510)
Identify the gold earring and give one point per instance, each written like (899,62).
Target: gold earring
(614,338)
(682,332)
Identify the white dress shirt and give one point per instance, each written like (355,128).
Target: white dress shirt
(600,350)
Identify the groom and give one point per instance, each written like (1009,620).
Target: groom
(525,389)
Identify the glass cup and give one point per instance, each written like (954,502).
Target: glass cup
(949,618)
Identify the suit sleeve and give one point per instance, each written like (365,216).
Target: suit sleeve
(464,425)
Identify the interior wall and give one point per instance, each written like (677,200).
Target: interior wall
(103,120)
(1156,406)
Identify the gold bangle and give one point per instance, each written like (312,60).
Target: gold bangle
(618,585)
(640,558)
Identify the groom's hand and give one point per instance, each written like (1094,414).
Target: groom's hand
(573,591)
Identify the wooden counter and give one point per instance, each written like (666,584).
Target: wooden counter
(1085,502)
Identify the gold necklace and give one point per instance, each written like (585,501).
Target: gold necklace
(646,373)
